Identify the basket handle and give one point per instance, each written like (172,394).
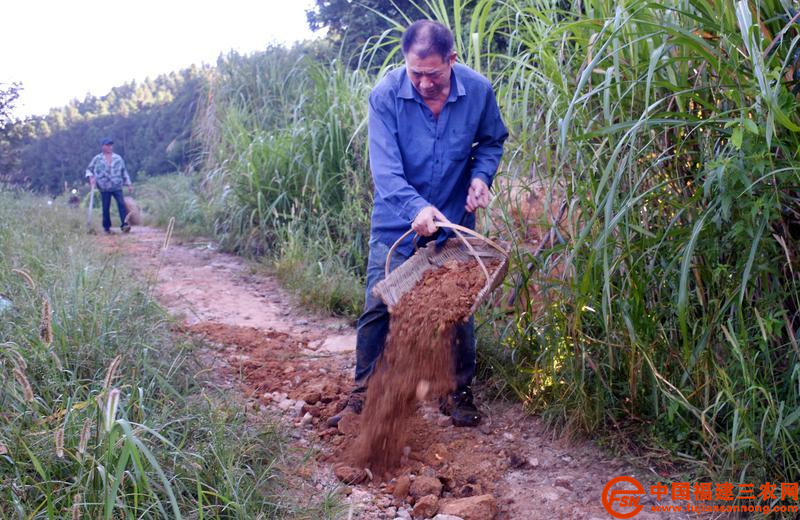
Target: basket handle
(457,229)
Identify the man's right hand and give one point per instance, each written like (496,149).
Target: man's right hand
(91,181)
(424,221)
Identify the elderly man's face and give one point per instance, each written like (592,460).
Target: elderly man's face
(429,75)
(107,148)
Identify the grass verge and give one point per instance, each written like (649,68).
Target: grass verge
(101,415)
(167,196)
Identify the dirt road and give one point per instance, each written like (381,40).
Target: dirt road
(298,365)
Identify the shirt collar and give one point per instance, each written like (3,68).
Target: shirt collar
(407,91)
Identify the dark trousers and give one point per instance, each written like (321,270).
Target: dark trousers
(105,197)
(373,325)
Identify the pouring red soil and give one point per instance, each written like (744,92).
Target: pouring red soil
(417,362)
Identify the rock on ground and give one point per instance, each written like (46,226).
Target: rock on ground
(482,507)
(401,487)
(425,507)
(424,485)
(350,475)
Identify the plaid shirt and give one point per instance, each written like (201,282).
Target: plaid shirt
(109,178)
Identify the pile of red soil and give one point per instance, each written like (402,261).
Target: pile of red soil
(417,362)
(270,361)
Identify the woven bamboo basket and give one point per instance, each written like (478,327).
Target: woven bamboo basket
(475,246)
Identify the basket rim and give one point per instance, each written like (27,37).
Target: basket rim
(433,256)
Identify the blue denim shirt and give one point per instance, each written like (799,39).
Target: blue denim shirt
(417,160)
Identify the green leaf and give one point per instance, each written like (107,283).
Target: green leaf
(736,138)
(154,463)
(751,126)
(683,287)
(111,494)
(751,257)
(791,418)
(36,463)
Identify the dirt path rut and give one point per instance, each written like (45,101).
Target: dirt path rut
(297,365)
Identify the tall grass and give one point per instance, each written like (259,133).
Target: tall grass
(286,167)
(674,133)
(180,197)
(100,413)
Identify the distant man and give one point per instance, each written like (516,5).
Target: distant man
(435,142)
(107,171)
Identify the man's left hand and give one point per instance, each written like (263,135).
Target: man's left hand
(477,196)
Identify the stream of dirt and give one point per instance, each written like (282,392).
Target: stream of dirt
(296,365)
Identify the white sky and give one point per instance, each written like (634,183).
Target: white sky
(62,49)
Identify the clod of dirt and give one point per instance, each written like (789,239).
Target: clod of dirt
(311,397)
(417,360)
(482,507)
(425,507)
(401,487)
(424,485)
(350,475)
(348,424)
(313,410)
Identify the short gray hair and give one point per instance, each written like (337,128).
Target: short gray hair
(428,37)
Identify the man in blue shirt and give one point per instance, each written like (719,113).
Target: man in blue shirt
(435,142)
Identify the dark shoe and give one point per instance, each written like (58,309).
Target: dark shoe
(126,228)
(108,232)
(355,404)
(460,407)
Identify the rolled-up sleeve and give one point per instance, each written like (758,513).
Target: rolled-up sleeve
(386,162)
(492,133)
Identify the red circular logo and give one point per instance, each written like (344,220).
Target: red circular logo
(623,498)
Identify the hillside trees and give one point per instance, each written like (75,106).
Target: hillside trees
(9,156)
